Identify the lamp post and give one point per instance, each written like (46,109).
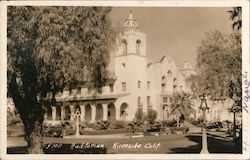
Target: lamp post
(234,109)
(77,114)
(204,107)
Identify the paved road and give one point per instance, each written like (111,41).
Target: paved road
(182,143)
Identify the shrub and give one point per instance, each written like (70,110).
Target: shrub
(91,125)
(151,116)
(103,125)
(52,130)
(169,123)
(13,118)
(140,116)
(195,122)
(135,125)
(119,125)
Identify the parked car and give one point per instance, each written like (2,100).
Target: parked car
(230,130)
(179,130)
(159,129)
(215,126)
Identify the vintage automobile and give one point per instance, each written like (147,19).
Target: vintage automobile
(158,129)
(215,126)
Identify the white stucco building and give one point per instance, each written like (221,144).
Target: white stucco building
(135,84)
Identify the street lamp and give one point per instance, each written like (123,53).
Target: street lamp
(204,149)
(235,109)
(77,115)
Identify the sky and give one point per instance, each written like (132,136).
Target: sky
(176,30)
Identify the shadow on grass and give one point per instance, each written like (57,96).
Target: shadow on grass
(216,144)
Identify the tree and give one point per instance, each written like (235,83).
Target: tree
(182,105)
(151,116)
(139,116)
(50,48)
(236,17)
(218,67)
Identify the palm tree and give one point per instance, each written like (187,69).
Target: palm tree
(182,105)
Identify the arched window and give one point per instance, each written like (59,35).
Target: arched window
(124,47)
(163,84)
(138,44)
(163,80)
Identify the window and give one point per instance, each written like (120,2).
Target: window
(111,86)
(124,65)
(124,47)
(139,102)
(123,86)
(139,84)
(170,100)
(148,84)
(138,44)
(148,100)
(174,81)
(175,88)
(165,99)
(163,80)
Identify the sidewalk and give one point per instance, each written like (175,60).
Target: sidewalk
(192,128)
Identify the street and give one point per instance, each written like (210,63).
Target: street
(167,144)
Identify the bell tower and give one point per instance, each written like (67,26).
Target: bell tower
(132,40)
(130,65)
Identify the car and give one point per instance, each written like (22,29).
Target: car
(230,130)
(215,126)
(179,130)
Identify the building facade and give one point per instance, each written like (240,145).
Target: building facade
(135,84)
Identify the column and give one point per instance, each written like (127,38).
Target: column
(53,113)
(117,113)
(62,113)
(82,107)
(71,112)
(105,112)
(93,112)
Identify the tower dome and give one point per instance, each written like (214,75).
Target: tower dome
(187,66)
(130,23)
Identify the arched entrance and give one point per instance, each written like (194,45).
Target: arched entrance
(99,112)
(49,113)
(88,112)
(165,112)
(67,112)
(111,112)
(77,107)
(124,111)
(58,112)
